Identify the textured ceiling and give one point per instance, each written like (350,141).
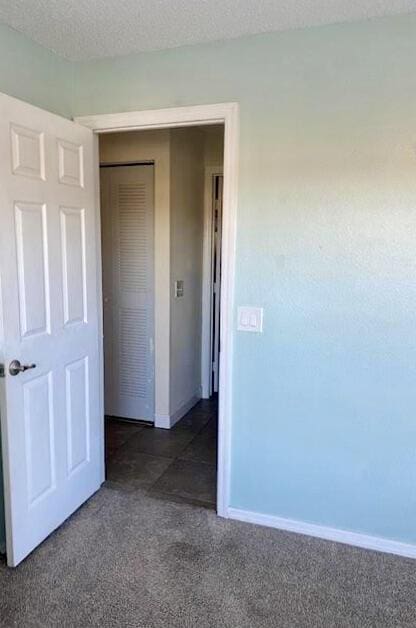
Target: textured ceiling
(85,29)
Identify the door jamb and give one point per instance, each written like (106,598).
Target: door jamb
(222,113)
(206,354)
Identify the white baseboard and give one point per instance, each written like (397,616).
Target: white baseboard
(205,393)
(163,421)
(323,532)
(167,421)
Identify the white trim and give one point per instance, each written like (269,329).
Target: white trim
(194,115)
(227,114)
(356,539)
(162,421)
(98,247)
(206,355)
(167,421)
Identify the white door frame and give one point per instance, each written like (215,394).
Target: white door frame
(222,113)
(206,353)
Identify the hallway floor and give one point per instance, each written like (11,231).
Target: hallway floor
(176,465)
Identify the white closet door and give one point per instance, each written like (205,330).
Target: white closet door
(52,427)
(127,207)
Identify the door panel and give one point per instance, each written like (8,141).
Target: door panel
(128,250)
(28,152)
(52,430)
(40,438)
(73,264)
(32,265)
(71,163)
(77,414)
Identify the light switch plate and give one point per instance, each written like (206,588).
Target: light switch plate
(250,318)
(179,288)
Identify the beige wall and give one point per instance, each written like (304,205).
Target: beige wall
(187,216)
(213,145)
(180,157)
(152,146)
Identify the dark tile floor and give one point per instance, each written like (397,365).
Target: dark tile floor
(176,465)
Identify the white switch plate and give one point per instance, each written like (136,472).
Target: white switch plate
(250,318)
(179,288)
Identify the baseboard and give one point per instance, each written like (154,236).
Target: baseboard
(162,421)
(205,393)
(323,532)
(167,421)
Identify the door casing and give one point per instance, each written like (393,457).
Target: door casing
(228,115)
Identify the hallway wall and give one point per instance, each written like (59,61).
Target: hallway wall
(179,156)
(187,231)
(152,146)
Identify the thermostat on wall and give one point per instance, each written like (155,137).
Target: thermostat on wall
(178,288)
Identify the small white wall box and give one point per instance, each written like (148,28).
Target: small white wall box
(179,288)
(250,318)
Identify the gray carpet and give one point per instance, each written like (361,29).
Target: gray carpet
(129,559)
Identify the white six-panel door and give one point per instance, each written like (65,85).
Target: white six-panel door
(50,414)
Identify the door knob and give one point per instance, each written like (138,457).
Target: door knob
(15,367)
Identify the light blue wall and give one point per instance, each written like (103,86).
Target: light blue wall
(324,426)
(324,401)
(33,74)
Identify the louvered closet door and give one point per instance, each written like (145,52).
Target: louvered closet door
(128,252)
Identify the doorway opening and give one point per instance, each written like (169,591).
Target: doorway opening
(51,257)
(161,226)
